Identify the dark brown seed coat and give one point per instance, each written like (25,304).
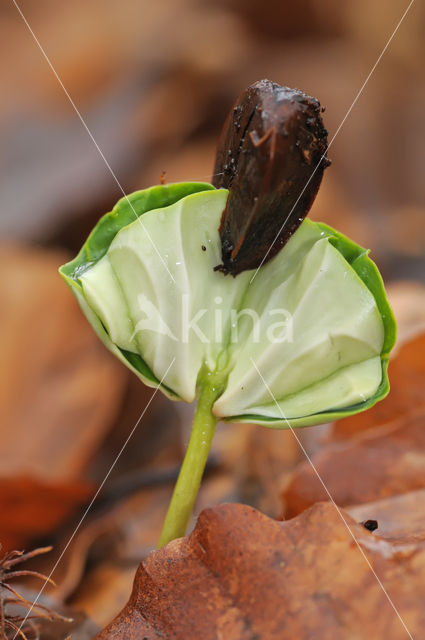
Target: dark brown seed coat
(271,156)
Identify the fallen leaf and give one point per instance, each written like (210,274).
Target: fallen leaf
(375,454)
(399,517)
(407,299)
(116,542)
(60,388)
(241,575)
(380,463)
(267,460)
(104,591)
(29,508)
(81,628)
(60,391)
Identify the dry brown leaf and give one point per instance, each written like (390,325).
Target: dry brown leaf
(81,628)
(104,591)
(30,508)
(382,463)
(399,517)
(121,536)
(269,457)
(118,541)
(241,576)
(60,388)
(60,391)
(407,299)
(375,454)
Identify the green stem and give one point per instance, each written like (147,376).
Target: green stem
(192,469)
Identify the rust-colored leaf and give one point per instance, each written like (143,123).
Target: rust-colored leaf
(241,575)
(400,518)
(60,391)
(30,508)
(385,462)
(271,157)
(407,299)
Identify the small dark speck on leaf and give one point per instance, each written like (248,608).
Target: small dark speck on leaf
(203,248)
(370,525)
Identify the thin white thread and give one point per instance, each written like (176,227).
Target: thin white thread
(153,244)
(83,517)
(331,498)
(335,135)
(83,122)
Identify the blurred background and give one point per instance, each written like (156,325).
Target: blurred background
(154,81)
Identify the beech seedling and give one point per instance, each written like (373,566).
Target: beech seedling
(227,295)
